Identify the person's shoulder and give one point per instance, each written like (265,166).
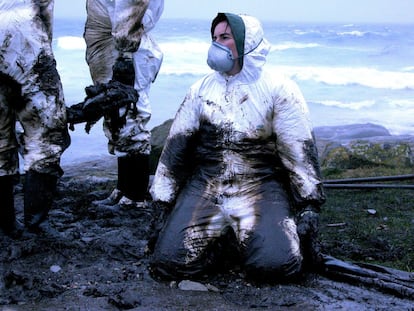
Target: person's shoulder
(279,82)
(205,80)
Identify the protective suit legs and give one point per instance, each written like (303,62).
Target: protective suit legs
(264,231)
(7,213)
(39,190)
(132,185)
(133,176)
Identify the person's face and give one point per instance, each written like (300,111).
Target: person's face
(223,35)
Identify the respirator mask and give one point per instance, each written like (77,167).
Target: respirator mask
(220,58)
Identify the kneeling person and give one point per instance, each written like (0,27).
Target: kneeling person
(247,134)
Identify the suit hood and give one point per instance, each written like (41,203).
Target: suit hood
(250,42)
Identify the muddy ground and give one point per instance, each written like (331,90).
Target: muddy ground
(96,259)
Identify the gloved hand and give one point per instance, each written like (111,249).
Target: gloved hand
(308,229)
(123,70)
(308,222)
(161,211)
(103,99)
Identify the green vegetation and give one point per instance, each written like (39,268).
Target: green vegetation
(369,225)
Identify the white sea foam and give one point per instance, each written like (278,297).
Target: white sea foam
(184,45)
(71,43)
(404,104)
(355,33)
(293,45)
(185,56)
(349,105)
(408,69)
(302,32)
(365,76)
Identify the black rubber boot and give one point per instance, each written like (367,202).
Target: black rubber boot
(133,176)
(8,222)
(39,190)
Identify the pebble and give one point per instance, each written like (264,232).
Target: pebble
(55,268)
(191,285)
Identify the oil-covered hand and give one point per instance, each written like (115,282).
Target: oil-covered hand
(308,222)
(102,100)
(123,69)
(103,97)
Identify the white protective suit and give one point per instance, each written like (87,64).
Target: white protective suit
(240,154)
(30,89)
(112,28)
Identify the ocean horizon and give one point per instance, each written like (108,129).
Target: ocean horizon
(348,73)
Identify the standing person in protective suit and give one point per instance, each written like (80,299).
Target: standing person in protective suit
(120,48)
(30,93)
(240,157)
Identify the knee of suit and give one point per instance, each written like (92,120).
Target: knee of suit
(274,269)
(275,272)
(171,259)
(168,269)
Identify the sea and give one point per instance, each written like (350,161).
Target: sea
(348,73)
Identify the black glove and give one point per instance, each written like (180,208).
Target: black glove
(308,222)
(123,69)
(103,99)
(308,229)
(75,115)
(161,211)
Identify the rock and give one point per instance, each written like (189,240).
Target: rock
(350,131)
(191,285)
(158,136)
(363,145)
(55,268)
(212,288)
(387,151)
(125,300)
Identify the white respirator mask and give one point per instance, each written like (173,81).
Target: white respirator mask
(220,57)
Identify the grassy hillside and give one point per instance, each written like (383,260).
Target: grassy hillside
(374,225)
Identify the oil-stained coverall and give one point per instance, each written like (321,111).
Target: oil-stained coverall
(241,155)
(30,93)
(117,31)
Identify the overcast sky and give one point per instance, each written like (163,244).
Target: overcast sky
(348,11)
